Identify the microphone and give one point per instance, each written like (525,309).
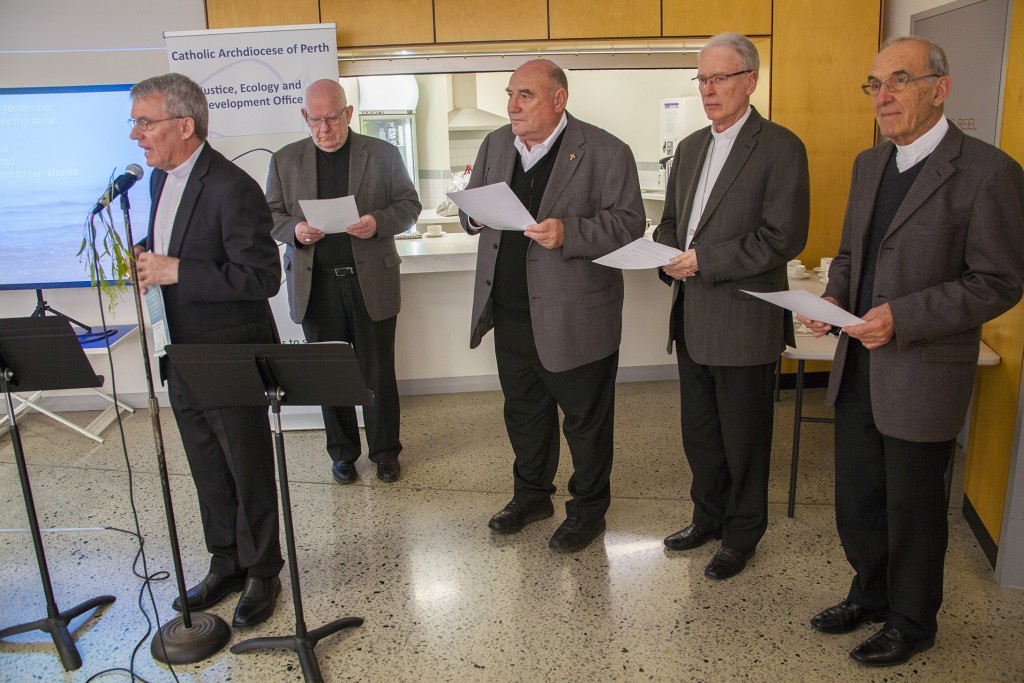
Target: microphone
(132,174)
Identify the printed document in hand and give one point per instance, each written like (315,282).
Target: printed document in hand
(495,206)
(806,304)
(330,215)
(640,253)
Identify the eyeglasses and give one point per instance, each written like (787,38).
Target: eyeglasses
(331,121)
(892,84)
(146,124)
(701,82)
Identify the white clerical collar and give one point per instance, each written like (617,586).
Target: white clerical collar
(730,133)
(182,172)
(908,155)
(542,148)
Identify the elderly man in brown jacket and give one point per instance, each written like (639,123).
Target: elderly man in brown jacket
(932,247)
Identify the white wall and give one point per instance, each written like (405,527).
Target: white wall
(898,12)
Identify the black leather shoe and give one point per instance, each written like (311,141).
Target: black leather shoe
(888,647)
(257,602)
(389,471)
(845,617)
(344,472)
(691,537)
(513,517)
(575,534)
(211,590)
(727,563)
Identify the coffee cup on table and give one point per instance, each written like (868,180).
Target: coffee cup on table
(826,263)
(435,230)
(798,270)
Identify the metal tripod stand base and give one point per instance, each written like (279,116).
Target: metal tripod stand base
(302,646)
(175,644)
(57,627)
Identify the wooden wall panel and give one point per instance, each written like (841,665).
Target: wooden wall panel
(816,94)
(578,19)
(998,388)
(385,22)
(238,13)
(708,17)
(466,21)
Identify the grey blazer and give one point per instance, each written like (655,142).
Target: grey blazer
(755,220)
(952,259)
(382,187)
(575,305)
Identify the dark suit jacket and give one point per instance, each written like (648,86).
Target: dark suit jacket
(229,266)
(382,187)
(575,305)
(952,259)
(755,220)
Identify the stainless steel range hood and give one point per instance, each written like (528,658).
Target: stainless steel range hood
(465,115)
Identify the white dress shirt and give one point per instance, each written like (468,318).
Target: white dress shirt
(170,198)
(530,157)
(908,155)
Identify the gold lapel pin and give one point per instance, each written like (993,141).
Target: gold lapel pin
(572,156)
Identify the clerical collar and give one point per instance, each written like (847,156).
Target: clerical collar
(908,155)
(732,131)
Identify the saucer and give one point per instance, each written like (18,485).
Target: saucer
(819,269)
(427,234)
(799,277)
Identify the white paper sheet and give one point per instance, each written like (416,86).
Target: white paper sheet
(810,306)
(640,253)
(330,215)
(495,206)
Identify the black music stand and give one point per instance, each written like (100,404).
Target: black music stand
(42,354)
(220,376)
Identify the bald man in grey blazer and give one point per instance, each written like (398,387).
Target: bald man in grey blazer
(932,247)
(346,287)
(738,204)
(557,316)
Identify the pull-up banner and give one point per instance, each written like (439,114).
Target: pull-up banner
(255,78)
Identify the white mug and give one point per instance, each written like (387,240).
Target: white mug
(798,270)
(435,230)
(826,263)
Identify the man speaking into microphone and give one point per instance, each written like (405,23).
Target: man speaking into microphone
(209,248)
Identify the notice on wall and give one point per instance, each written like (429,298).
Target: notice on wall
(255,78)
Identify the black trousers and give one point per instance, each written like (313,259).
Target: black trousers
(726,414)
(533,396)
(230,452)
(891,509)
(337,313)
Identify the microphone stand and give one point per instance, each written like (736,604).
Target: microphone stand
(193,636)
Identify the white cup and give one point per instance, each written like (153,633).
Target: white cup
(435,230)
(798,270)
(826,263)
(795,262)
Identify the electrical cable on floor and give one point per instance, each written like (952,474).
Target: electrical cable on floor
(147,578)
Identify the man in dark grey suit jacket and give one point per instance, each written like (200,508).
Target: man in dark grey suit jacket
(738,204)
(557,317)
(345,287)
(932,247)
(209,249)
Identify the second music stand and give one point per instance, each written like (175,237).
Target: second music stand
(222,375)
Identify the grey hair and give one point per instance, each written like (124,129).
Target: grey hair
(741,45)
(183,98)
(937,63)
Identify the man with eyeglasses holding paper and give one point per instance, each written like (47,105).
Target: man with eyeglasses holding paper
(738,205)
(346,286)
(932,247)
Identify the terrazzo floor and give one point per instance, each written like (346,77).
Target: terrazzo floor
(443,599)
